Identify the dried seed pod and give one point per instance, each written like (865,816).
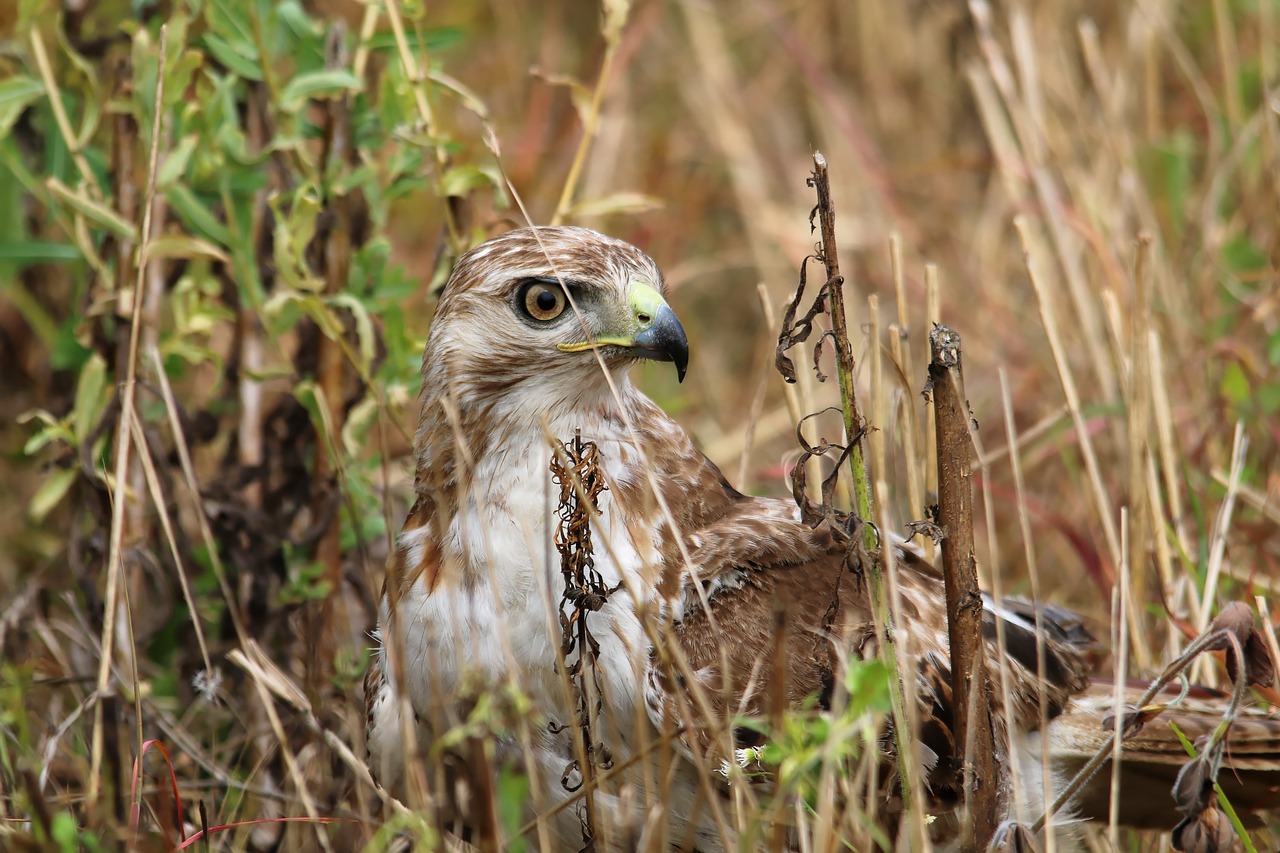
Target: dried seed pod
(1209,832)
(1193,788)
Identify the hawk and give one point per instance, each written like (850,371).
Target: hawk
(531,344)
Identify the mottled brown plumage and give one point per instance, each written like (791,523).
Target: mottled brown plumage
(703,575)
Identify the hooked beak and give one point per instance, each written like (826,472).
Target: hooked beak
(655,331)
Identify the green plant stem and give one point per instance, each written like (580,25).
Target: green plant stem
(858,470)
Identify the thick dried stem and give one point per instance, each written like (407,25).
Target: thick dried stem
(970,686)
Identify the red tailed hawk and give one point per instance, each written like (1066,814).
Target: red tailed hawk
(532,341)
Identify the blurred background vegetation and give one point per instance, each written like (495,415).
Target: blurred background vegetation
(265,267)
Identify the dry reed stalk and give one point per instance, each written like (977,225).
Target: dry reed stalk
(1020,101)
(1204,671)
(615,18)
(1120,643)
(1049,319)
(714,99)
(1178,590)
(1025,438)
(257,664)
(124,436)
(761,373)
(1224,32)
(127,293)
(158,500)
(54,100)
(1033,576)
(291,764)
(913,764)
(1138,408)
(908,424)
(876,435)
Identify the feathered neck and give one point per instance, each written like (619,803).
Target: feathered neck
(474,426)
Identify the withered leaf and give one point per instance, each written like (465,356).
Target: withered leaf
(1237,619)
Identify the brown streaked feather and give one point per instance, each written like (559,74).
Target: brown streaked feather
(421,561)
(751,555)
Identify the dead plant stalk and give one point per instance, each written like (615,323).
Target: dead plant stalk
(853,426)
(970,688)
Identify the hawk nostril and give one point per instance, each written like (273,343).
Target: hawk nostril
(643,318)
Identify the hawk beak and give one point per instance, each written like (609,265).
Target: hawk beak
(656,332)
(662,339)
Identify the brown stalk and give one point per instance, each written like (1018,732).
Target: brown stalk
(970,686)
(334,257)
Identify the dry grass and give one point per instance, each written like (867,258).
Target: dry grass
(1095,185)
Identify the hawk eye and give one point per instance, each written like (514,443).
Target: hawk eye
(542,301)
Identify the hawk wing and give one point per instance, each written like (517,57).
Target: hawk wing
(769,607)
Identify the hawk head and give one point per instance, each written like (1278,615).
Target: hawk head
(522,313)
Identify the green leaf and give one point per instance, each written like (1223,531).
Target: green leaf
(460,180)
(295,228)
(16,94)
(1241,256)
(362,416)
(240,59)
(1235,385)
(175,162)
(1170,170)
(181,246)
(67,353)
(622,202)
(51,493)
(196,215)
(429,41)
(317,85)
(39,251)
(52,432)
(365,336)
(92,210)
(513,793)
(91,397)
